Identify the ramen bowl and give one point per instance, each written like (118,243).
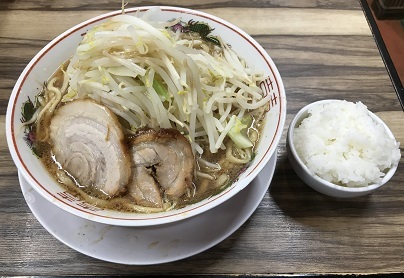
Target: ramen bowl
(45,63)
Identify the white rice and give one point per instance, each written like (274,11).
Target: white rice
(340,142)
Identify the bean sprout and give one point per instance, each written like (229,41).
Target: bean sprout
(152,75)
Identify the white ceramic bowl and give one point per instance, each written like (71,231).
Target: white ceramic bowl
(316,182)
(62,47)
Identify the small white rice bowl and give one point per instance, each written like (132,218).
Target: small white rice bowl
(344,145)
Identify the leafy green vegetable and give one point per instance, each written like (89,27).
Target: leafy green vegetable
(28,110)
(238,133)
(161,90)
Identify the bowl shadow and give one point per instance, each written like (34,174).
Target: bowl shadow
(299,201)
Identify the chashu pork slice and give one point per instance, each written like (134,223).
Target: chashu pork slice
(88,142)
(162,163)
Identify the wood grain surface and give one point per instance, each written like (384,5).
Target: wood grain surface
(323,49)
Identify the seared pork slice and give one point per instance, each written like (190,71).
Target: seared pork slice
(144,189)
(88,142)
(167,157)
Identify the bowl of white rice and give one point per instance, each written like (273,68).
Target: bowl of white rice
(341,149)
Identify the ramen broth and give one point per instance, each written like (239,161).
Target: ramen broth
(202,188)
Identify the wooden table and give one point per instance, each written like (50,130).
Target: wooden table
(323,49)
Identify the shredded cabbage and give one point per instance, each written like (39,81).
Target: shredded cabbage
(238,133)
